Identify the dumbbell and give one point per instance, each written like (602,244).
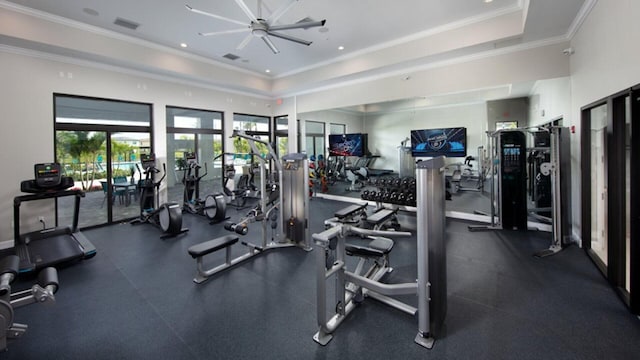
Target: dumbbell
(393,197)
(411,200)
(405,183)
(402,198)
(397,182)
(365,195)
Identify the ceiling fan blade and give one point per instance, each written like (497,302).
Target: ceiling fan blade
(244,42)
(224,32)
(290,38)
(280,11)
(246,10)
(270,45)
(215,16)
(299,25)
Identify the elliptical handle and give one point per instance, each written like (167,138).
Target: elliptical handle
(164,174)
(205,172)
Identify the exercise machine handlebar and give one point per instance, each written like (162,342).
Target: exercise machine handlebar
(239,228)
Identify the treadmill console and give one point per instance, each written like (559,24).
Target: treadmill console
(148,161)
(48,175)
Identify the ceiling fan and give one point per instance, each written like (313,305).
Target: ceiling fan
(262,28)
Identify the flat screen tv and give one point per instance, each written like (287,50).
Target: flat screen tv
(348,145)
(450,142)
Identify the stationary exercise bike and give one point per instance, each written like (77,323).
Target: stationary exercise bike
(167,216)
(214,207)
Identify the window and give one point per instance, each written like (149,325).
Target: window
(282,135)
(200,132)
(337,129)
(253,125)
(96,141)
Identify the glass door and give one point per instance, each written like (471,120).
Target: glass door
(81,155)
(177,145)
(598,161)
(107,175)
(124,174)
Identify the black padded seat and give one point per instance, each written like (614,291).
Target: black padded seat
(378,247)
(382,243)
(349,210)
(381,216)
(207,247)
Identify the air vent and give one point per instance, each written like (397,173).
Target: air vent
(231,56)
(126,23)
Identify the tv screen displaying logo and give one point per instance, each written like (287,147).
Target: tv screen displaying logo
(450,142)
(347,145)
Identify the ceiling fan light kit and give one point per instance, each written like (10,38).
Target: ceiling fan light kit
(262,28)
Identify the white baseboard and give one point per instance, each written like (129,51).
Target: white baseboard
(6,244)
(575,237)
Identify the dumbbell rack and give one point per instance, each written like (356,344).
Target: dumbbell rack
(392,190)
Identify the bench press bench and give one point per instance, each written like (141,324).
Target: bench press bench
(198,252)
(381,217)
(350,211)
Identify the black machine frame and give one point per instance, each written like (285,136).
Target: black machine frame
(54,246)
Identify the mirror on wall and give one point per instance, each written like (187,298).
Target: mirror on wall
(388,127)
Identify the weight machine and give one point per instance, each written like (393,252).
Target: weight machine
(290,206)
(353,286)
(42,292)
(509,178)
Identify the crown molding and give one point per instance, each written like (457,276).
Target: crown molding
(122,37)
(176,79)
(437,30)
(585,10)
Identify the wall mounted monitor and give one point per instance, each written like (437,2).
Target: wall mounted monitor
(348,145)
(450,142)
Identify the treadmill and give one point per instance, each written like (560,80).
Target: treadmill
(53,246)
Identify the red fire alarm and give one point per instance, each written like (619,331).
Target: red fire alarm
(573,129)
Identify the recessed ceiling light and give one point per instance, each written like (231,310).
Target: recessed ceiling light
(487,1)
(340,47)
(267,71)
(183,45)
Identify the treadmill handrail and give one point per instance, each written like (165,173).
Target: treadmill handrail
(46,195)
(42,196)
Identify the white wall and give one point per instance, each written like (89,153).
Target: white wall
(549,100)
(387,129)
(605,61)
(27,102)
(352,119)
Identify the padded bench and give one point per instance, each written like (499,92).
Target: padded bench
(378,247)
(349,211)
(381,216)
(198,251)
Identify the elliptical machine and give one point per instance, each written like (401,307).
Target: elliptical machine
(168,216)
(214,207)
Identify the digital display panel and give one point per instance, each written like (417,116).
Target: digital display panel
(450,142)
(348,145)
